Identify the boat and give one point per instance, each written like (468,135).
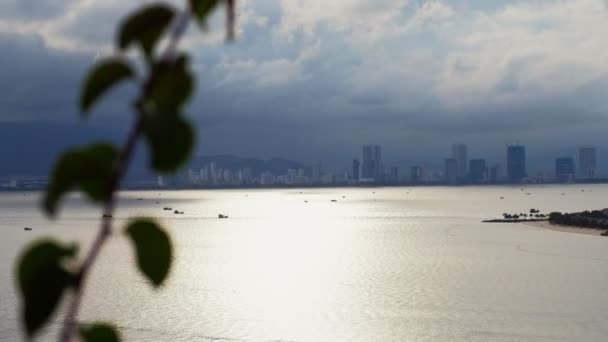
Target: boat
(140,199)
(222,216)
(334,200)
(178,212)
(534,211)
(502,197)
(27,228)
(167,208)
(106,216)
(305,201)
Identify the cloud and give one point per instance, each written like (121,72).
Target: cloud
(526,51)
(320,78)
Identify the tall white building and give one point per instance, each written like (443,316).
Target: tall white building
(459,152)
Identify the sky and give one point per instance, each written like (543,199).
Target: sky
(315,79)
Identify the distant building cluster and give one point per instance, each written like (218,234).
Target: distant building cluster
(213,176)
(368,168)
(458,169)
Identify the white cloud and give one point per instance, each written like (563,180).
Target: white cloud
(526,50)
(341,15)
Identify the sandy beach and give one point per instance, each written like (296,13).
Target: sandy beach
(565,229)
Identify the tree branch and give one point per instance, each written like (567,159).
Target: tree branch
(67,330)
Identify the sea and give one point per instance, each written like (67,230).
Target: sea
(333,264)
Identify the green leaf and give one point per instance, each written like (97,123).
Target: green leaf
(99,332)
(153,248)
(89,169)
(102,77)
(171,87)
(170,140)
(42,281)
(202,9)
(145,27)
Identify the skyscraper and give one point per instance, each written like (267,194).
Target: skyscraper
(459,152)
(394,176)
(451,170)
(416,174)
(587,162)
(356,166)
(564,169)
(372,162)
(495,173)
(478,170)
(516,163)
(316,172)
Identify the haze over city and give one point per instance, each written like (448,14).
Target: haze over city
(307,84)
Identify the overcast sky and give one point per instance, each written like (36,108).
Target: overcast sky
(315,79)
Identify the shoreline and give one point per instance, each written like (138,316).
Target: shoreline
(563,229)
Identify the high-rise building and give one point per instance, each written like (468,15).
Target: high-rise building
(459,152)
(564,169)
(372,162)
(451,170)
(516,163)
(316,172)
(416,174)
(356,166)
(587,162)
(495,173)
(478,170)
(394,175)
(266,178)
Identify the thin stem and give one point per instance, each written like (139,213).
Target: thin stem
(67,330)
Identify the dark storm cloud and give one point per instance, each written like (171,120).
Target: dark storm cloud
(37,83)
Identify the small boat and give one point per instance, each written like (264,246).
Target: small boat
(343,196)
(167,208)
(157,202)
(334,200)
(305,201)
(139,199)
(222,216)
(178,212)
(502,198)
(534,211)
(563,194)
(106,216)
(27,228)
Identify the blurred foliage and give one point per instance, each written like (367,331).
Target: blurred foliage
(47,268)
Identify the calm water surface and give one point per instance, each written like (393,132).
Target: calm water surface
(384,264)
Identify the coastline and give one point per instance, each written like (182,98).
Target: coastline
(564,229)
